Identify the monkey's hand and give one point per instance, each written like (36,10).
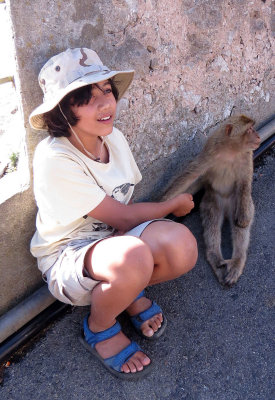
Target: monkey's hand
(244,211)
(244,215)
(242,222)
(184,205)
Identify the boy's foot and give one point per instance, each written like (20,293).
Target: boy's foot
(114,345)
(142,309)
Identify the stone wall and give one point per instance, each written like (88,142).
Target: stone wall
(196,62)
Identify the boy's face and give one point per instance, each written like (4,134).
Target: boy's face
(97,117)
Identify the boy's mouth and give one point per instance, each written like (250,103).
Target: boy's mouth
(107,118)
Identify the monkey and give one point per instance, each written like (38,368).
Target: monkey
(224,168)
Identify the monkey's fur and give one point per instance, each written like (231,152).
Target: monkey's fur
(225,169)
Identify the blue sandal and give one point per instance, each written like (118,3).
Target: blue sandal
(138,319)
(89,339)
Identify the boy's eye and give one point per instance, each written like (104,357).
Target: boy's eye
(104,91)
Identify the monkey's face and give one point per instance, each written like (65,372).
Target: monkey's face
(251,139)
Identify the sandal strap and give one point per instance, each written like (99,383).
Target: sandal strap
(137,320)
(142,294)
(122,357)
(95,337)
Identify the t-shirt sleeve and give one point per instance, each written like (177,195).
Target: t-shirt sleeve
(63,191)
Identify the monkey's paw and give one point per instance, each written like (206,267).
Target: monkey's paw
(234,269)
(219,269)
(243,219)
(242,223)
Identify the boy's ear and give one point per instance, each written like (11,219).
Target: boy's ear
(228,129)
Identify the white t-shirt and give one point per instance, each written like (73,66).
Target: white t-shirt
(68,185)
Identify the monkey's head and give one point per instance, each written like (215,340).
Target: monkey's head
(240,133)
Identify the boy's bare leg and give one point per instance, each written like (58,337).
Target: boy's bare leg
(124,266)
(174,250)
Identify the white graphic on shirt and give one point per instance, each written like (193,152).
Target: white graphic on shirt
(121,191)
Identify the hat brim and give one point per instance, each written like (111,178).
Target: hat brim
(121,79)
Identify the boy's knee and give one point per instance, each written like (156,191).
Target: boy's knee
(137,261)
(182,245)
(192,250)
(189,247)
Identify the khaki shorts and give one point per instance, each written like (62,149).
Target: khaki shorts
(66,280)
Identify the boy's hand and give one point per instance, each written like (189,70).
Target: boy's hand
(185,204)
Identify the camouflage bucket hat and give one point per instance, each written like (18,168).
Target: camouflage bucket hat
(70,70)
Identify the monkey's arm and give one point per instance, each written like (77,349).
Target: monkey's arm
(191,179)
(182,185)
(244,207)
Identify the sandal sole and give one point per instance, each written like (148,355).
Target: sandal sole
(132,376)
(158,333)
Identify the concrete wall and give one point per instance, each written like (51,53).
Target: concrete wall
(196,62)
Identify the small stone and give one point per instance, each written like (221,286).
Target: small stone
(153,63)
(151,49)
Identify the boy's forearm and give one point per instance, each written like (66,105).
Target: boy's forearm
(124,217)
(140,212)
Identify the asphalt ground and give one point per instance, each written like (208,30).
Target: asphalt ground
(219,343)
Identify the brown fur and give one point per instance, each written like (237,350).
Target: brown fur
(225,169)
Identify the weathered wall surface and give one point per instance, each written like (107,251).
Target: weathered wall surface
(196,62)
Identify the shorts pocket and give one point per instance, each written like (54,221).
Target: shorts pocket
(87,283)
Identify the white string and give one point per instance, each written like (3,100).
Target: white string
(79,141)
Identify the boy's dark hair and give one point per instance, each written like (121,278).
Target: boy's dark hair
(57,124)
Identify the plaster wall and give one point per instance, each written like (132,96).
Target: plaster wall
(196,62)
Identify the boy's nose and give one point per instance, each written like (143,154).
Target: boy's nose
(103,102)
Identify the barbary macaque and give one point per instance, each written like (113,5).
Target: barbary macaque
(224,168)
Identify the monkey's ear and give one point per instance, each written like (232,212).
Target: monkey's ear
(245,119)
(228,129)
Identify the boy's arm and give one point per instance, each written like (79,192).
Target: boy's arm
(124,217)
